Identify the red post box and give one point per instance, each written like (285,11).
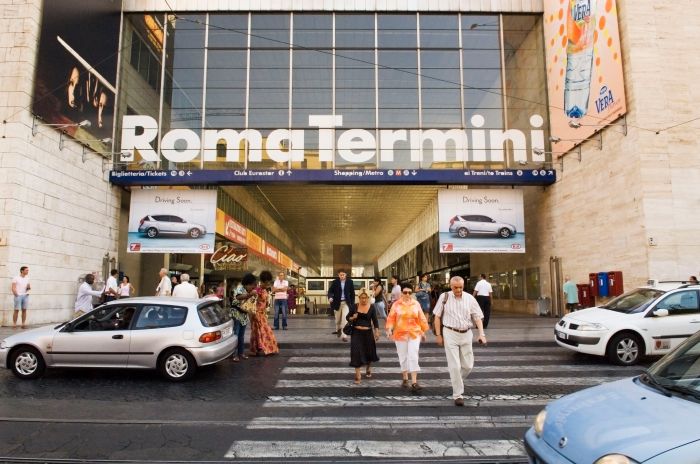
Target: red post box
(615,283)
(593,283)
(585,298)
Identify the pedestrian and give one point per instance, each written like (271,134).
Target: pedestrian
(292,299)
(262,340)
(20,289)
(173,283)
(379,297)
(483,293)
(570,294)
(456,313)
(185,289)
(243,292)
(407,325)
(365,334)
(165,286)
(280,287)
(212,294)
(112,287)
(395,291)
(692,280)
(125,288)
(423,294)
(221,290)
(341,296)
(83,301)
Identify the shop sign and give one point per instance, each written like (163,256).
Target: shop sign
(230,258)
(271,252)
(254,241)
(230,228)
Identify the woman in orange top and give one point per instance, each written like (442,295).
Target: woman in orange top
(407,325)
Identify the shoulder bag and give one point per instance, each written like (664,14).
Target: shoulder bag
(249,305)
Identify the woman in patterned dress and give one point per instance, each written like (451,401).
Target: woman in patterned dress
(262,340)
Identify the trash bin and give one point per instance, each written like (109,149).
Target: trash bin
(544,305)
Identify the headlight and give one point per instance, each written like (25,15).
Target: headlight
(592,326)
(3,345)
(615,459)
(538,425)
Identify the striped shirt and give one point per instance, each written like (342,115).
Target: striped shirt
(458,312)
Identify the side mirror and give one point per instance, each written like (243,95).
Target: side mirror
(660,313)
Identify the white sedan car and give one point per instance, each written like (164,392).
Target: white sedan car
(646,321)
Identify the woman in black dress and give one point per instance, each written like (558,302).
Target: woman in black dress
(365,333)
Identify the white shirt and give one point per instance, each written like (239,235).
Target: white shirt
(185,290)
(124,289)
(83,301)
(280,284)
(483,288)
(21,284)
(458,312)
(113,284)
(395,292)
(165,287)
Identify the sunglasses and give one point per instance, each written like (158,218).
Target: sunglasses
(407,292)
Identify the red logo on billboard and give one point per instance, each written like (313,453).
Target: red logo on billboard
(516,246)
(135,247)
(447,247)
(204,246)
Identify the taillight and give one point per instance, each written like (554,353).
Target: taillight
(142,221)
(210,337)
(452,221)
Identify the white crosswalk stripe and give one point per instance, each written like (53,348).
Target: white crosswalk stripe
(386,421)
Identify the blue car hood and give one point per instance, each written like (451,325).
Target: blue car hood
(625,417)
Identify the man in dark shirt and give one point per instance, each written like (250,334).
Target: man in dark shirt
(341,296)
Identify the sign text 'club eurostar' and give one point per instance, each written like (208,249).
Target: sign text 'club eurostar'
(352,145)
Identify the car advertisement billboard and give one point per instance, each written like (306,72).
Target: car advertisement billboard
(481,221)
(584,69)
(76,67)
(172,221)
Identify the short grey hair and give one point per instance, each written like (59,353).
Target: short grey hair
(162,269)
(456,280)
(184,277)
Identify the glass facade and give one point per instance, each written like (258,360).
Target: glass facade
(402,84)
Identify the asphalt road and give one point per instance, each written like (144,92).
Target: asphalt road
(300,405)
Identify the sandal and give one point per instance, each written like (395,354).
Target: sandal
(358,379)
(416,388)
(404,383)
(243,356)
(368,374)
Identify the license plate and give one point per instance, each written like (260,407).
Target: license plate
(561,335)
(226,332)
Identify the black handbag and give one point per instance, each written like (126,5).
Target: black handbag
(347,330)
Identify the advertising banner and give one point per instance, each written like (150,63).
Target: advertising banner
(172,221)
(255,242)
(230,257)
(228,227)
(77,67)
(584,69)
(481,221)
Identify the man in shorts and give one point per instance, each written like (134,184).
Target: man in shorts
(20,290)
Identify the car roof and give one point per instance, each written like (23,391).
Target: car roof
(162,300)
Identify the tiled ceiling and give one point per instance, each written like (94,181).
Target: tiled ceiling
(367,217)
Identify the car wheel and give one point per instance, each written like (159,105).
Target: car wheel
(177,365)
(625,349)
(504,232)
(27,363)
(195,233)
(151,232)
(463,232)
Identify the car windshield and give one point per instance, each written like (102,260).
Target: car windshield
(633,302)
(679,371)
(213,314)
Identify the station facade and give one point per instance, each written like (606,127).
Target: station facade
(221,95)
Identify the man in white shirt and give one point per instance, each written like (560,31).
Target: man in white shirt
(483,292)
(20,290)
(112,286)
(83,302)
(456,313)
(280,287)
(185,289)
(164,288)
(395,291)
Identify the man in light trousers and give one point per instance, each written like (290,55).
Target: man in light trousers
(459,313)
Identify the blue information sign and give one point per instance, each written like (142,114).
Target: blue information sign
(336,176)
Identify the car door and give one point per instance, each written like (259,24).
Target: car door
(178,224)
(100,338)
(158,326)
(479,225)
(683,320)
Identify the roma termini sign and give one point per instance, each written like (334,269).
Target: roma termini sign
(351,145)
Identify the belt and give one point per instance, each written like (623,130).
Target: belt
(458,330)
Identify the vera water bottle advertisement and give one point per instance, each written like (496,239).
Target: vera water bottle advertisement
(584,69)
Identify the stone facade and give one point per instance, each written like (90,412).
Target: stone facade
(59,215)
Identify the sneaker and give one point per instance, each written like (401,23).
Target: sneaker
(459,402)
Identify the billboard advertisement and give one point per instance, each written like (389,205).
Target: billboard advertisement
(481,221)
(584,69)
(77,67)
(172,221)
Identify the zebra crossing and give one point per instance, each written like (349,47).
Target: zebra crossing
(316,412)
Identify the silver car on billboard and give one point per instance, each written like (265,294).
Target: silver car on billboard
(168,224)
(469,225)
(173,335)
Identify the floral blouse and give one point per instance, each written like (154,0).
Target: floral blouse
(406,320)
(238,315)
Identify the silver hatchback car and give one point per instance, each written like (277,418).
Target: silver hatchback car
(173,335)
(467,225)
(167,224)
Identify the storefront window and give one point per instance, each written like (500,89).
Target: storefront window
(532,282)
(518,284)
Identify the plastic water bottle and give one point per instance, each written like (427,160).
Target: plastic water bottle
(579,56)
